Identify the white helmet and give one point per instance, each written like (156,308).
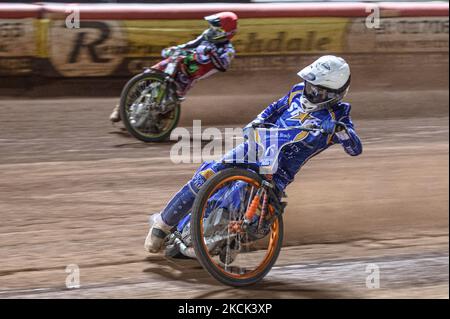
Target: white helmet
(327,81)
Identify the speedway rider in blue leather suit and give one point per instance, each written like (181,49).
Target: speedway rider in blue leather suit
(315,102)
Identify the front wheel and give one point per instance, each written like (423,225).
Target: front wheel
(149,109)
(232,255)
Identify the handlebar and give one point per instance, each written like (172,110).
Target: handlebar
(180,52)
(303,128)
(312,128)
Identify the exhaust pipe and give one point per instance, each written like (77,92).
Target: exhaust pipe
(185,250)
(190,252)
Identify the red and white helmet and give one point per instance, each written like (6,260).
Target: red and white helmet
(223,26)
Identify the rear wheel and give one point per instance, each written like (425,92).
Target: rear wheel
(229,253)
(140,111)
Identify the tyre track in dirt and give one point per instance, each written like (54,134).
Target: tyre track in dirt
(75,190)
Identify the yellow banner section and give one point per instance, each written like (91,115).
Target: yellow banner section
(271,36)
(147,38)
(98,48)
(41,28)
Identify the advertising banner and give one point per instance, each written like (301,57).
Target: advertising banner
(98,48)
(17,46)
(110,42)
(422,34)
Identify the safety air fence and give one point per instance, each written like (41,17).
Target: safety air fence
(113,40)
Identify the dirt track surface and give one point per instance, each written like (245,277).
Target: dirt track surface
(75,190)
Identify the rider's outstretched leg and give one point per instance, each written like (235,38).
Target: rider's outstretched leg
(178,207)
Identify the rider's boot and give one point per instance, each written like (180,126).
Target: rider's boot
(183,83)
(157,234)
(115,115)
(181,93)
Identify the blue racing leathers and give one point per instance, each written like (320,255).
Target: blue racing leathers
(285,112)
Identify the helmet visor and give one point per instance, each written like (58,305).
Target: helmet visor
(215,33)
(317,94)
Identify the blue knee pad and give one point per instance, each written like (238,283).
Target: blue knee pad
(181,204)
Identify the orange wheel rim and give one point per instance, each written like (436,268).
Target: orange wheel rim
(273,239)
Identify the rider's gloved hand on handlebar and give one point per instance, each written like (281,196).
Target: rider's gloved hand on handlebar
(331,127)
(251,126)
(167,52)
(328,127)
(256,123)
(207,49)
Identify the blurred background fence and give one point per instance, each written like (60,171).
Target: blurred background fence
(406,52)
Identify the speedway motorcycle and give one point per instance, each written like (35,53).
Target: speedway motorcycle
(235,227)
(149,103)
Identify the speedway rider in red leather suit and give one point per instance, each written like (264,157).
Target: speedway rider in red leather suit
(213,52)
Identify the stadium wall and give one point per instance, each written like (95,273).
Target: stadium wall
(400,65)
